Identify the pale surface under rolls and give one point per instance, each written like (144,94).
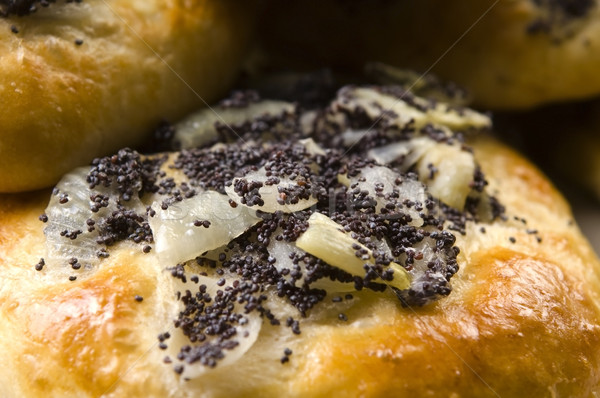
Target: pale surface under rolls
(138,62)
(510,54)
(523,318)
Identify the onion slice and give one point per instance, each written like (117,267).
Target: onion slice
(179,238)
(407,110)
(247,325)
(379,181)
(272,195)
(72,215)
(199,129)
(338,249)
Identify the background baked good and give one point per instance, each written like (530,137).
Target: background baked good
(509,54)
(78,80)
(563,140)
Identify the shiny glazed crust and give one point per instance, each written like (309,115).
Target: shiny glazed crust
(509,54)
(137,62)
(523,319)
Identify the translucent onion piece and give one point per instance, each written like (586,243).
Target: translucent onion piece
(270,193)
(326,240)
(281,251)
(375,103)
(312,147)
(411,151)
(73,215)
(351,137)
(428,86)
(454,170)
(386,178)
(176,237)
(454,167)
(199,128)
(421,273)
(245,336)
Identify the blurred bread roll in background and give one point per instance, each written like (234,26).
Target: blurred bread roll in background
(510,54)
(80,80)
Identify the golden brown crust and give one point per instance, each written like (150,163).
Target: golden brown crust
(505,334)
(139,62)
(523,319)
(509,54)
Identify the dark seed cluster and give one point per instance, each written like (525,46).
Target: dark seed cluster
(212,169)
(127,172)
(124,224)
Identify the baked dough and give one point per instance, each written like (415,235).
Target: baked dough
(523,317)
(79,80)
(509,54)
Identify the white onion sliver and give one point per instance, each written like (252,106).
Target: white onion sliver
(455,169)
(352,137)
(199,128)
(270,193)
(312,147)
(281,250)
(72,216)
(176,237)
(375,103)
(407,189)
(412,151)
(246,334)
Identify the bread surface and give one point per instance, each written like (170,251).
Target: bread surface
(81,80)
(523,319)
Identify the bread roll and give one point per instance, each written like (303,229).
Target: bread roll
(80,80)
(509,54)
(100,316)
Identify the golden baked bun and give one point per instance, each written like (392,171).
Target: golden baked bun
(519,317)
(509,54)
(79,80)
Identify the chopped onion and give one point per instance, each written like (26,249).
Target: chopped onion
(178,239)
(453,168)
(326,240)
(199,128)
(428,86)
(312,147)
(282,250)
(72,216)
(390,181)
(270,194)
(350,137)
(411,151)
(245,336)
(417,113)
